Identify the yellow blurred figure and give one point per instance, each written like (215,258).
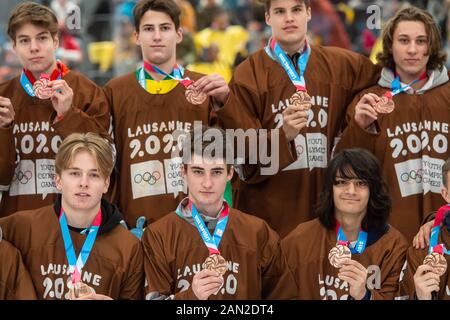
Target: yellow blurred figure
(229,42)
(377,48)
(212,68)
(101,53)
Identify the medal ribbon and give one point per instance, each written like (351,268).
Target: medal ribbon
(440,216)
(212,243)
(178,72)
(27,79)
(360,243)
(76,265)
(275,52)
(397,86)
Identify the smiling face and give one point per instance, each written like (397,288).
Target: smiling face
(158,38)
(289,22)
(35,47)
(81,184)
(350,196)
(410,49)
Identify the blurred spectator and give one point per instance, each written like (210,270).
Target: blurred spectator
(207,10)
(69,51)
(186,49)
(188,18)
(107,31)
(127,55)
(186,53)
(230,40)
(326,27)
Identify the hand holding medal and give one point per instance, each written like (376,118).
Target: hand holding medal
(300,100)
(7,112)
(49,86)
(80,290)
(436,252)
(437,261)
(195,96)
(342,252)
(210,280)
(386,104)
(351,271)
(294,117)
(214,86)
(216,263)
(41,87)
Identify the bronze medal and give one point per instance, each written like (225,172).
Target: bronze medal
(385,105)
(194,96)
(437,261)
(41,89)
(81,289)
(301,99)
(216,263)
(339,254)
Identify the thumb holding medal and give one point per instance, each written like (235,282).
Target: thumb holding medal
(62,96)
(206,283)
(365,112)
(434,266)
(6,112)
(426,281)
(355,275)
(215,86)
(295,117)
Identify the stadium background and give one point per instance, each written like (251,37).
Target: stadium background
(96,36)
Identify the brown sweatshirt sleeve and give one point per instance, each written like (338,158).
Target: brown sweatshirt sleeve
(7,158)
(89,112)
(353,136)
(367,74)
(133,284)
(17,282)
(391,270)
(429,217)
(159,280)
(278,282)
(10,226)
(414,259)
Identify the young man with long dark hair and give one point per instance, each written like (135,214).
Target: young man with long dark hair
(349,251)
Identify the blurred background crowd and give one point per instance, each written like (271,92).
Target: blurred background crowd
(96,36)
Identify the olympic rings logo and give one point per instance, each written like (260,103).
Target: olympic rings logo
(412,176)
(23,177)
(150,178)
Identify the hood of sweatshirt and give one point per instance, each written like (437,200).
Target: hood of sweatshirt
(184,212)
(111,216)
(436,78)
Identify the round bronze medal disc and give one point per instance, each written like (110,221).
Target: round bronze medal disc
(437,261)
(301,99)
(338,255)
(41,89)
(216,263)
(194,96)
(385,105)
